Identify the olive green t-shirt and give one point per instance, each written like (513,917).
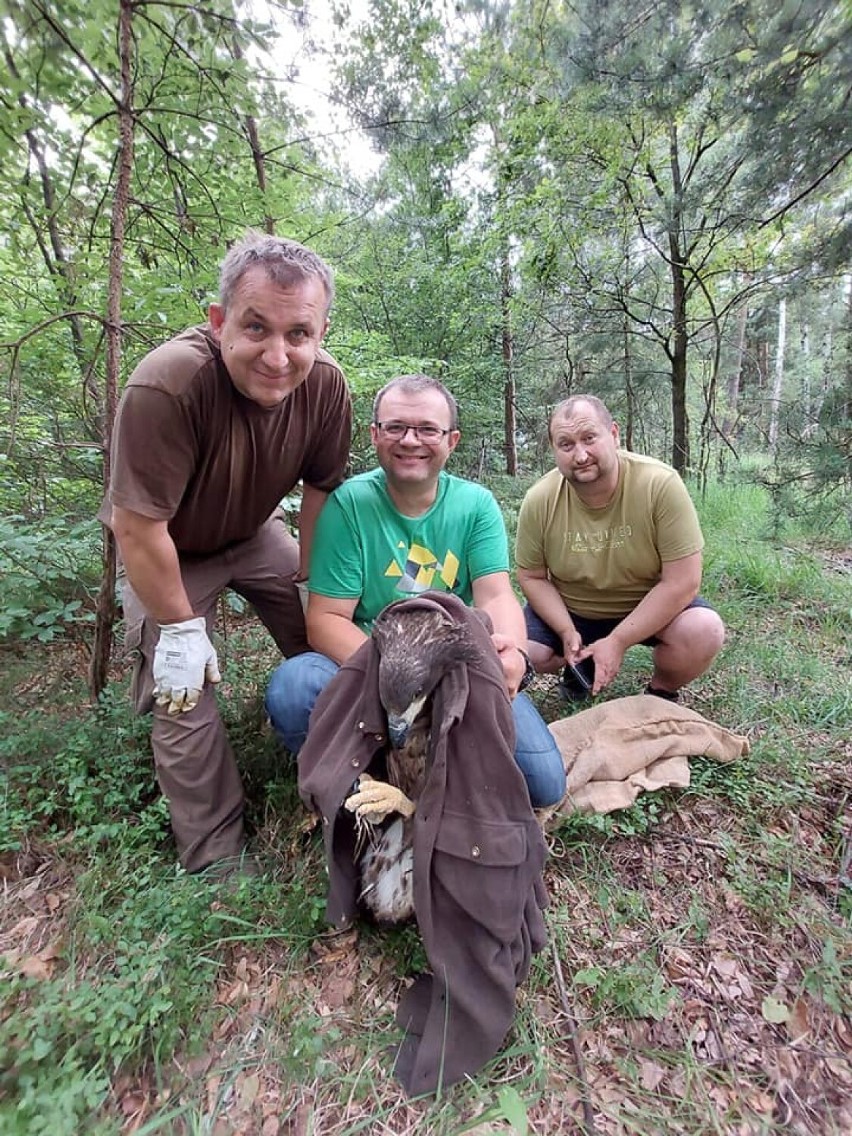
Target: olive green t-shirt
(603,562)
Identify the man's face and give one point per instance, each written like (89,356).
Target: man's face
(269,335)
(409,462)
(586,450)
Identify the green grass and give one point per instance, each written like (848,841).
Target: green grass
(703,935)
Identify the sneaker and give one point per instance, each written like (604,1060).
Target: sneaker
(669,695)
(577,681)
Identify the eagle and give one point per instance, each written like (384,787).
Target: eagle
(417,647)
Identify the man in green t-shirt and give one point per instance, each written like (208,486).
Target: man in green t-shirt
(399,530)
(608,553)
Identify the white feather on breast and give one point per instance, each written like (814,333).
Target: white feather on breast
(387,874)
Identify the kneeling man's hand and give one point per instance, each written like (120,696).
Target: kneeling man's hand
(513,662)
(184,659)
(608,655)
(572,645)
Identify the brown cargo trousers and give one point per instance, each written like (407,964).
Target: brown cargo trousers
(194,761)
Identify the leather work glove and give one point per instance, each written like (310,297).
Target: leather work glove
(374,800)
(184,659)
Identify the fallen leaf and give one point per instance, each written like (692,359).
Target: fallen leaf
(337,990)
(798,1024)
(727,967)
(23,927)
(774,1011)
(248,1090)
(651,1074)
(196,1067)
(236,993)
(131,1103)
(679,964)
(34,966)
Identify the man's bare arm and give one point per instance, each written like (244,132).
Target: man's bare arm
(151,563)
(493,593)
(312,502)
(546,602)
(676,589)
(330,627)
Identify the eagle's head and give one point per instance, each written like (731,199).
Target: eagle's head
(417,647)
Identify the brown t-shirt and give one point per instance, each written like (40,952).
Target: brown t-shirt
(190,449)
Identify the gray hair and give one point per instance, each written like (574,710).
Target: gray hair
(565,408)
(284,261)
(416,384)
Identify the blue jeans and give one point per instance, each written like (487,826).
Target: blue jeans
(297,683)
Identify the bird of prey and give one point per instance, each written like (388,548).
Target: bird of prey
(417,647)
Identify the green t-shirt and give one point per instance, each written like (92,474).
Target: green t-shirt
(603,562)
(364,547)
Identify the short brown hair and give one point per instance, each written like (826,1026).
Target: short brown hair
(286,263)
(564,409)
(416,384)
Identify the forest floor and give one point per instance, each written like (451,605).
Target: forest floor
(698,977)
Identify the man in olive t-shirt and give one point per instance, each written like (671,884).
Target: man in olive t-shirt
(213,429)
(608,553)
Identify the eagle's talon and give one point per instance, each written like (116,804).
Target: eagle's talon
(375,800)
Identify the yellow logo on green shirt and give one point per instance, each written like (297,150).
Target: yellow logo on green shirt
(420,568)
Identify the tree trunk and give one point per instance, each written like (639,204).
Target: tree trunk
(56,259)
(679,340)
(508,349)
(257,155)
(775,401)
(105,616)
(825,380)
(627,441)
(733,389)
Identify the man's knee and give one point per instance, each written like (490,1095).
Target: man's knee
(537,755)
(293,689)
(701,628)
(689,645)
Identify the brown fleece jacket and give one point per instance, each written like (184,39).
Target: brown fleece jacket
(478,851)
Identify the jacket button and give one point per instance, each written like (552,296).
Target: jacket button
(476,851)
(360,725)
(355,763)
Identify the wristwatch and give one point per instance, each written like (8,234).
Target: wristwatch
(529,673)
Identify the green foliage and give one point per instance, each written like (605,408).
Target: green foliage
(635,989)
(509,1107)
(830,978)
(62,1038)
(309,1038)
(91,775)
(49,573)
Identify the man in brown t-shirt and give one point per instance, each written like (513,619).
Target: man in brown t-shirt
(214,428)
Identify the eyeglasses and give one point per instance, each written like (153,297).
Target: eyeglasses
(396,431)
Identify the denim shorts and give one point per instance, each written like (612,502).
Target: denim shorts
(590,630)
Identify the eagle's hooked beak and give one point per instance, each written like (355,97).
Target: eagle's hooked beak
(400,724)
